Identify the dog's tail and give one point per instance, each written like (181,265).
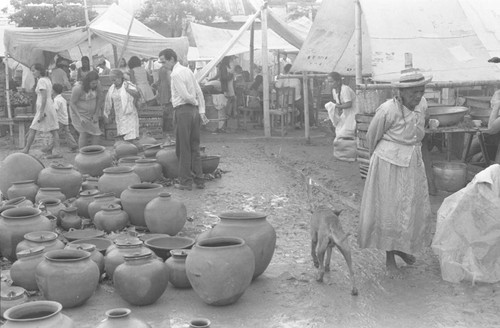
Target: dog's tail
(309,183)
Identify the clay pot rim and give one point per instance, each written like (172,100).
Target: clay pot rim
(180,253)
(23,309)
(118,313)
(92,150)
(94,242)
(50,189)
(199,322)
(146,160)
(105,195)
(129,159)
(144,186)
(128,243)
(61,166)
(89,193)
(83,246)
(242,215)
(40,236)
(7,214)
(51,201)
(111,207)
(151,242)
(15,200)
(144,254)
(23,182)
(237,242)
(30,252)
(74,234)
(164,194)
(117,170)
(70,255)
(19,292)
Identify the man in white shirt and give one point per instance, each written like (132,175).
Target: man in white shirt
(189,113)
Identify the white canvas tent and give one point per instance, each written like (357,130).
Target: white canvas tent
(438,34)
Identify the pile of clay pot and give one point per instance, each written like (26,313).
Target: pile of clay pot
(44,232)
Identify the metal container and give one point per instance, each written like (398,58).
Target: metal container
(449,176)
(447,115)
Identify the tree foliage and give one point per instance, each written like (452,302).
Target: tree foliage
(173,13)
(49,13)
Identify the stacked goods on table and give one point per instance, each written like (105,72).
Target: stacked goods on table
(362,123)
(151,121)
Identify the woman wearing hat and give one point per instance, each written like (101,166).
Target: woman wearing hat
(395,209)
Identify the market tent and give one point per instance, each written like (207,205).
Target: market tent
(437,33)
(110,27)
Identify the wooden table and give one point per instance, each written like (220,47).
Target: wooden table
(21,122)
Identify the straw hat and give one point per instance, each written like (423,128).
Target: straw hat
(411,78)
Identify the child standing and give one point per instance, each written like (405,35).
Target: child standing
(61,106)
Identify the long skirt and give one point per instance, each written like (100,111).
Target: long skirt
(395,209)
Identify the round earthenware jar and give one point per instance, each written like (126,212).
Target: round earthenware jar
(141,279)
(15,223)
(168,160)
(220,269)
(67,276)
(176,265)
(128,161)
(95,255)
(49,192)
(121,318)
(64,176)
(165,214)
(47,239)
(70,219)
(117,178)
(101,201)
(150,151)
(18,167)
(52,206)
(82,202)
(37,314)
(22,271)
(252,227)
(11,296)
(92,160)
(19,202)
(25,188)
(136,197)
(111,218)
(148,169)
(124,148)
(116,255)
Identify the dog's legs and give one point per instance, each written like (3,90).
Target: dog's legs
(328,256)
(322,247)
(314,243)
(346,252)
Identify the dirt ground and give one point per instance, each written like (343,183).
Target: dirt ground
(268,176)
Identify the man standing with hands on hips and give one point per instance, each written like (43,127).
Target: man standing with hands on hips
(189,113)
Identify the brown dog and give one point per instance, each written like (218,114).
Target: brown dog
(326,233)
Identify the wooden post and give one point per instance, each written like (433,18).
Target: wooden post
(126,39)
(265,71)
(7,96)
(115,56)
(252,32)
(305,85)
(359,44)
(89,33)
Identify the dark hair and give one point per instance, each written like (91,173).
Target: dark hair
(39,67)
(91,76)
(336,76)
(168,54)
(287,67)
(226,60)
(85,58)
(134,62)
(238,69)
(60,62)
(72,66)
(257,82)
(58,88)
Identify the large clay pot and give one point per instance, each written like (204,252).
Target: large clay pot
(64,176)
(111,218)
(15,223)
(92,160)
(95,255)
(25,188)
(117,178)
(82,202)
(18,167)
(136,197)
(101,201)
(22,271)
(150,151)
(148,169)
(115,255)
(11,296)
(19,202)
(128,161)
(37,314)
(168,160)
(124,148)
(49,192)
(252,227)
(176,265)
(141,279)
(220,269)
(52,206)
(70,218)
(67,276)
(165,214)
(47,239)
(121,318)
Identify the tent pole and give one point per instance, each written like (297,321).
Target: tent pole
(89,33)
(359,45)
(126,39)
(252,32)
(265,71)
(115,55)
(305,85)
(7,95)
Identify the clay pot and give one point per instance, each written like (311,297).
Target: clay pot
(100,201)
(141,279)
(49,192)
(124,148)
(22,271)
(19,202)
(52,206)
(136,197)
(18,167)
(67,276)
(26,188)
(116,179)
(121,318)
(15,223)
(150,151)
(47,239)
(70,218)
(252,227)
(176,265)
(168,160)
(148,169)
(115,255)
(111,218)
(220,269)
(199,323)
(165,214)
(82,202)
(64,176)
(95,255)
(89,183)
(11,296)
(37,314)
(92,160)
(128,161)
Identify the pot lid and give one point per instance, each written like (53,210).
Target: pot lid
(84,247)
(128,241)
(180,252)
(105,195)
(111,207)
(165,194)
(31,252)
(12,293)
(59,165)
(40,236)
(89,192)
(143,254)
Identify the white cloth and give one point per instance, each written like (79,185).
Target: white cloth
(61,106)
(48,121)
(126,117)
(185,88)
(345,119)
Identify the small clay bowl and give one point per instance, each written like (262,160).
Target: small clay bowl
(163,245)
(101,244)
(73,235)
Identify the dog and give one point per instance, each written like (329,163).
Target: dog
(326,233)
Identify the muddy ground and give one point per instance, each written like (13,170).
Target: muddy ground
(268,176)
